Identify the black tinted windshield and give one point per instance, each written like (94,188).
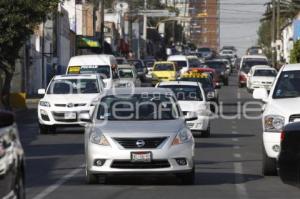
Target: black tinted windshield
(249,63)
(206,82)
(265,73)
(217,65)
(73,86)
(195,63)
(181,64)
(137,63)
(185,92)
(138,107)
(104,71)
(164,67)
(288,85)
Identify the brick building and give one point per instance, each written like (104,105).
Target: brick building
(205,23)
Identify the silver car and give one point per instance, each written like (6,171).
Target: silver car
(140,131)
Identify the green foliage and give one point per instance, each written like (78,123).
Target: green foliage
(264,37)
(295,53)
(18,18)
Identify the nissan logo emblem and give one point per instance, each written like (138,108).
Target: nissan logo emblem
(70,105)
(140,143)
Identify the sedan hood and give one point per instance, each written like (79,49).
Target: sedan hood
(142,128)
(70,98)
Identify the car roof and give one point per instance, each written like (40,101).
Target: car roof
(91,60)
(263,67)
(255,57)
(177,57)
(137,90)
(179,83)
(291,67)
(76,76)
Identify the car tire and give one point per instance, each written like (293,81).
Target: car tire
(269,167)
(43,129)
(206,134)
(187,178)
(91,178)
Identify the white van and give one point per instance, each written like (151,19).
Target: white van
(181,62)
(105,65)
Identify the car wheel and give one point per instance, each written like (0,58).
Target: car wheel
(19,188)
(43,129)
(206,134)
(187,178)
(91,178)
(269,167)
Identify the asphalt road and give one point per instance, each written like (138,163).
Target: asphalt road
(228,164)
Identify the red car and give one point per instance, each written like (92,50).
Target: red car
(215,77)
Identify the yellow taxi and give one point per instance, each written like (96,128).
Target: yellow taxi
(164,71)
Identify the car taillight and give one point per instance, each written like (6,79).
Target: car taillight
(243,77)
(282,136)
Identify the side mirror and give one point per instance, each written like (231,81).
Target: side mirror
(261,94)
(41,91)
(85,117)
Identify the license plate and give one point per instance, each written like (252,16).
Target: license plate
(141,156)
(70,116)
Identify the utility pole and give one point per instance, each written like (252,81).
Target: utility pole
(174,23)
(278,31)
(273,46)
(145,29)
(101,4)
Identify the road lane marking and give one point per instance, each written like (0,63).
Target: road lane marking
(233,122)
(237,155)
(239,95)
(235,139)
(60,182)
(236,147)
(239,181)
(234,133)
(234,127)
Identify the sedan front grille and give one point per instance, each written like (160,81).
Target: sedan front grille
(294,117)
(149,143)
(155,164)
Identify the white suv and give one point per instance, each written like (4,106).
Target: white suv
(282,106)
(66,97)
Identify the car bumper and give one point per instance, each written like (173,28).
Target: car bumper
(256,86)
(271,141)
(201,124)
(55,117)
(111,156)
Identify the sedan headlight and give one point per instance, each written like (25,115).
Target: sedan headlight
(182,137)
(99,139)
(274,123)
(44,103)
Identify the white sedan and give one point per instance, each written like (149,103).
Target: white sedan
(192,101)
(65,98)
(261,77)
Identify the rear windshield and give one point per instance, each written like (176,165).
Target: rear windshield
(164,67)
(249,63)
(104,70)
(181,64)
(185,92)
(265,73)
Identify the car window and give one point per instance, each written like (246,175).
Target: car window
(249,63)
(288,85)
(194,63)
(164,67)
(217,65)
(73,86)
(180,64)
(265,73)
(104,70)
(138,107)
(185,92)
(125,73)
(205,82)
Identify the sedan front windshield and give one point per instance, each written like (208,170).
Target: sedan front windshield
(73,86)
(288,85)
(138,107)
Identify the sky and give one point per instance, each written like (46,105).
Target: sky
(240,22)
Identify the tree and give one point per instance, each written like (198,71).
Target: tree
(264,37)
(18,19)
(295,53)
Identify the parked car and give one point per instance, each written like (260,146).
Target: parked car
(164,71)
(247,62)
(12,161)
(104,65)
(128,76)
(193,103)
(261,77)
(138,132)
(282,106)
(65,98)
(140,68)
(288,159)
(220,68)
